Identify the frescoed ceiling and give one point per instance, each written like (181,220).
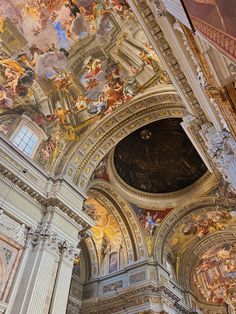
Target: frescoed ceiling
(67,64)
(215,275)
(106,229)
(107,236)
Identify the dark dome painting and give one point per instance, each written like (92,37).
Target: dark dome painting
(158,158)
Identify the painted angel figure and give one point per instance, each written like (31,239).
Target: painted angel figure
(60,114)
(92,67)
(19,76)
(151,222)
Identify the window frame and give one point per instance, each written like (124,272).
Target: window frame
(26,122)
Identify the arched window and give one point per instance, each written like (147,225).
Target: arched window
(27,136)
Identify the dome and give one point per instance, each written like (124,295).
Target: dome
(158,158)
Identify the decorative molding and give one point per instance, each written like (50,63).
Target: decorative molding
(146,295)
(20,175)
(124,215)
(157,8)
(155,103)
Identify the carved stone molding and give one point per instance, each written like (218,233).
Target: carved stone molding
(161,46)
(37,188)
(157,8)
(146,296)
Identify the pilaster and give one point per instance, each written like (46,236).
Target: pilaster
(47,268)
(64,274)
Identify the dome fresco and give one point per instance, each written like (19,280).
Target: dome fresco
(163,159)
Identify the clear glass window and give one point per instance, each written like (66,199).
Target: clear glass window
(25,140)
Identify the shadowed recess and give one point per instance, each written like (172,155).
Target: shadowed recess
(158,158)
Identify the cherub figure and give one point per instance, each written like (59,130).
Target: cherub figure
(91,83)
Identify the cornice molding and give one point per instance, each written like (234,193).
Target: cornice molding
(146,294)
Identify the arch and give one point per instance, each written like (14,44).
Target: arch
(193,256)
(132,233)
(179,216)
(188,253)
(157,103)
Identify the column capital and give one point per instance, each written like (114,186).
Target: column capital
(43,236)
